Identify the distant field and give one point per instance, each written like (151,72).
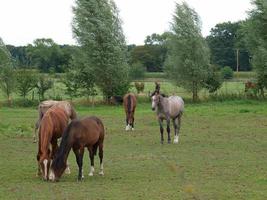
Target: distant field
(234,86)
(221,155)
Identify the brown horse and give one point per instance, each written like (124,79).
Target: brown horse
(45,105)
(53,123)
(129,103)
(87,132)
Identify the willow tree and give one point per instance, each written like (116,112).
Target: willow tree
(188,55)
(255,30)
(97,28)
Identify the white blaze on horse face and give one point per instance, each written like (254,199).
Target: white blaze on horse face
(92,170)
(45,167)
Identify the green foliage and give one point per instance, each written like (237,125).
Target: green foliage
(7,73)
(214,80)
(223,41)
(97,27)
(137,71)
(227,72)
(256,40)
(139,87)
(43,84)
(188,56)
(26,81)
(71,82)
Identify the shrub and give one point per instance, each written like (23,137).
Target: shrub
(137,71)
(227,72)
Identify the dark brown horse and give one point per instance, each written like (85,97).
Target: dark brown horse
(88,132)
(129,103)
(52,125)
(45,105)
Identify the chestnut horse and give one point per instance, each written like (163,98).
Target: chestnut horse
(45,105)
(87,132)
(52,125)
(129,103)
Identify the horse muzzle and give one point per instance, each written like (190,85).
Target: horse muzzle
(153,108)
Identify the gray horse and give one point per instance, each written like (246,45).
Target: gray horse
(168,108)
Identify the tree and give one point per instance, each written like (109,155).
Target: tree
(137,71)
(46,55)
(44,83)
(224,40)
(26,81)
(227,72)
(256,40)
(188,55)
(97,28)
(7,75)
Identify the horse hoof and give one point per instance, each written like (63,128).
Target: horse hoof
(169,142)
(90,174)
(101,173)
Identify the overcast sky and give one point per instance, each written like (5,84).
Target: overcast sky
(22,21)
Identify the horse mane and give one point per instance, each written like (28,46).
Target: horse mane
(44,138)
(63,150)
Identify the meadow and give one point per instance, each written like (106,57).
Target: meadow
(221,155)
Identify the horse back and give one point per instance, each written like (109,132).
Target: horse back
(56,119)
(87,131)
(176,105)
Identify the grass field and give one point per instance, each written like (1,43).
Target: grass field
(221,155)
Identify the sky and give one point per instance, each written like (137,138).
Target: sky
(21,22)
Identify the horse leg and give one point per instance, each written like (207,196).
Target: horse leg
(91,155)
(127,128)
(79,159)
(175,126)
(161,130)
(132,125)
(100,154)
(168,131)
(178,125)
(35,131)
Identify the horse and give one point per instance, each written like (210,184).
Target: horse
(168,108)
(87,132)
(45,105)
(129,103)
(52,125)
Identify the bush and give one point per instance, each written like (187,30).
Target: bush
(137,71)
(227,73)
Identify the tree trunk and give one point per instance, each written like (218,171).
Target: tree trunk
(195,92)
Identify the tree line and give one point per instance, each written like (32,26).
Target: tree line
(102,59)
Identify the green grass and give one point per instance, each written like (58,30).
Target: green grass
(221,155)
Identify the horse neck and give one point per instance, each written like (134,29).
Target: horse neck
(162,106)
(64,149)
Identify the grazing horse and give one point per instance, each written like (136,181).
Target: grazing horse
(168,108)
(87,132)
(129,103)
(53,123)
(45,105)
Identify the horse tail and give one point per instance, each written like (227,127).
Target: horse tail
(129,104)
